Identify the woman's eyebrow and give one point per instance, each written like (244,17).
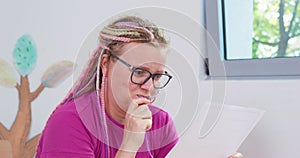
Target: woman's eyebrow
(148,69)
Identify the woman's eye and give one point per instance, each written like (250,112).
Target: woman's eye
(140,72)
(157,77)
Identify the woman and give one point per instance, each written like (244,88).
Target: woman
(108,113)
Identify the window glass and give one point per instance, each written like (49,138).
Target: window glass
(257,29)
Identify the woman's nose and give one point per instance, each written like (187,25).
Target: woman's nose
(147,85)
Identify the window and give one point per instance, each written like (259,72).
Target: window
(253,38)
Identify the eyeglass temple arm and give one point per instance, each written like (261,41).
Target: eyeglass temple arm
(122,61)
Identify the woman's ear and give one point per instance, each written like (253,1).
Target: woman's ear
(104,62)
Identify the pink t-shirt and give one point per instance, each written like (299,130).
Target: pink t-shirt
(76,129)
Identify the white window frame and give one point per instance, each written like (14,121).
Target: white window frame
(275,68)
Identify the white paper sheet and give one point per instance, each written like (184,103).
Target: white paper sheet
(234,123)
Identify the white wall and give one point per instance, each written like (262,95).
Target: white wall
(59,27)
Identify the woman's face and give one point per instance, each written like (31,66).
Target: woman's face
(141,55)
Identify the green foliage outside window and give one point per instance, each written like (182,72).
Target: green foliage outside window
(276,29)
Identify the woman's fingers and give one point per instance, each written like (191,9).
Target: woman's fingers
(142,101)
(137,121)
(140,120)
(236,155)
(139,108)
(136,103)
(147,124)
(139,116)
(142,111)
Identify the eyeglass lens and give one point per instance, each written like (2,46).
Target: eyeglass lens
(141,76)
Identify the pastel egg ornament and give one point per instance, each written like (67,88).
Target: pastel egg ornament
(57,73)
(25,55)
(8,76)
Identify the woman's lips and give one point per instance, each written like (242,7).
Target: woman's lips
(142,96)
(151,99)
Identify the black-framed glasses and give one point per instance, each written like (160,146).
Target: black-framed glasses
(140,76)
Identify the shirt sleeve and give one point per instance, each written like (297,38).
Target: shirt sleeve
(66,136)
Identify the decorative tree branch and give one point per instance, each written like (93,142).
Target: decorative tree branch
(3,132)
(31,146)
(25,59)
(21,126)
(36,93)
(5,149)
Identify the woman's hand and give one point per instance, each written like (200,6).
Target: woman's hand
(236,155)
(137,121)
